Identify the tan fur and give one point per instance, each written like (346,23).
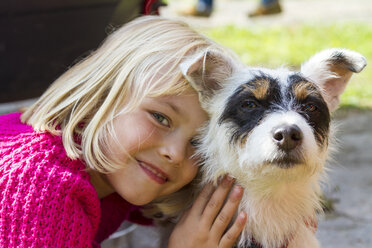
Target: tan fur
(304,89)
(260,89)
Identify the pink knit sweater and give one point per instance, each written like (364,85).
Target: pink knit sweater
(46,199)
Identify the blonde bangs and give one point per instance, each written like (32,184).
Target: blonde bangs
(138,60)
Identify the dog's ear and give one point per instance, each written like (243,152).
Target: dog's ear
(207,71)
(331,70)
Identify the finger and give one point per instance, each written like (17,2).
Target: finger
(230,237)
(184,216)
(228,211)
(202,199)
(216,201)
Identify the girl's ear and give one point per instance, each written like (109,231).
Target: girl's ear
(331,70)
(207,72)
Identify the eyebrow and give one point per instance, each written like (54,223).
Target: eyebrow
(174,107)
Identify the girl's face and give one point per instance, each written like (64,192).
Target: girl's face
(159,137)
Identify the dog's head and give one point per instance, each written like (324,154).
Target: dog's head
(268,122)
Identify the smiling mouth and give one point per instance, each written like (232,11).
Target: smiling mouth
(153,173)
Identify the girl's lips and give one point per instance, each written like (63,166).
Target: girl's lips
(153,172)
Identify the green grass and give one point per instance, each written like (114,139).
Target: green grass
(290,46)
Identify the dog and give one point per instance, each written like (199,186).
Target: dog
(270,129)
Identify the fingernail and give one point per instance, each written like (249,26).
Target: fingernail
(228,180)
(220,179)
(242,218)
(236,193)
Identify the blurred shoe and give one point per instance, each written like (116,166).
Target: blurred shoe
(200,10)
(266,10)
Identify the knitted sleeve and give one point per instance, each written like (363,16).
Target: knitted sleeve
(48,215)
(46,199)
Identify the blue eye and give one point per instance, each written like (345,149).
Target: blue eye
(249,104)
(163,120)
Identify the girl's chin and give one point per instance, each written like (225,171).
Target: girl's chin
(136,200)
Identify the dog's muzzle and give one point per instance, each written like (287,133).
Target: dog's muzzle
(288,139)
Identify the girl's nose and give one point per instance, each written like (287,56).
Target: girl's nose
(174,151)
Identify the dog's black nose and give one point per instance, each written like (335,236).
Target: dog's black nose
(287,137)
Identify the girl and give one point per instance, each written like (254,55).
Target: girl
(115,132)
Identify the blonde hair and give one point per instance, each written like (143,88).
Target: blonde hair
(138,60)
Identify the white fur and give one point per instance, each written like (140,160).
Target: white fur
(278,201)
(261,139)
(320,70)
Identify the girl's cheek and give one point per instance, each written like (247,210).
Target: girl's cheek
(139,137)
(193,170)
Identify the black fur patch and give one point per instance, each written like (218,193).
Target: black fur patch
(319,118)
(339,58)
(244,111)
(245,117)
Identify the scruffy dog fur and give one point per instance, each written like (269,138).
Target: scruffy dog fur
(270,130)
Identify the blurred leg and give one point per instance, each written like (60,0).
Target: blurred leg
(269,2)
(202,8)
(266,7)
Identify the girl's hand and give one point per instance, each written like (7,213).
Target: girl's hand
(205,223)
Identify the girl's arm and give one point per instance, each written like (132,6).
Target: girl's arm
(205,224)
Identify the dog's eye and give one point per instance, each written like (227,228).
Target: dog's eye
(249,104)
(309,107)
